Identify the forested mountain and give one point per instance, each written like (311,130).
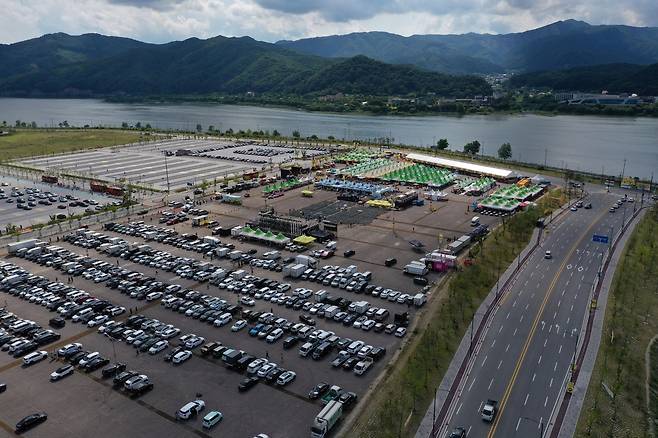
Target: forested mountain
(615,78)
(564,44)
(90,65)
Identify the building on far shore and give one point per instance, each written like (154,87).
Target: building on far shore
(603,98)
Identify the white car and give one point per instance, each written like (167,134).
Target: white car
(107,326)
(61,372)
(256,365)
(191,409)
(158,347)
(181,356)
(274,336)
(88,358)
(239,325)
(69,349)
(265,369)
(117,310)
(34,357)
(134,381)
(285,378)
(194,342)
(223,320)
(97,320)
(153,296)
(400,332)
(170,332)
(247,301)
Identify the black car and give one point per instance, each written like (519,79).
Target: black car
(30,421)
(3,387)
(390,262)
(25,349)
(46,338)
(121,378)
(77,357)
(290,342)
(349,253)
(169,356)
(95,364)
(348,399)
(458,432)
(318,390)
(113,369)
(141,388)
(247,384)
(206,349)
(377,353)
(57,322)
(307,320)
(350,363)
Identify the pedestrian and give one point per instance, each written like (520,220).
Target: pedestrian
(136,351)
(56,279)
(267,355)
(131,311)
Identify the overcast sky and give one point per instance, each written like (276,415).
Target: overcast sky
(271,20)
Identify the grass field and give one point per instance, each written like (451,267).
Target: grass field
(631,321)
(401,400)
(29,142)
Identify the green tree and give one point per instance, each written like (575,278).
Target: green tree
(472,148)
(276,133)
(442,144)
(33,125)
(295,134)
(124,125)
(18,123)
(138,125)
(505,151)
(148,126)
(199,128)
(211,128)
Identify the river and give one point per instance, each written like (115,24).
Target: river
(594,143)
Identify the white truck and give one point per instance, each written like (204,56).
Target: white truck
(326,419)
(416,268)
(489,410)
(359,307)
(12,248)
(362,366)
(212,240)
(272,255)
(294,270)
(306,261)
(420,300)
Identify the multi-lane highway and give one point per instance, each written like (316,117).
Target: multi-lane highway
(523,360)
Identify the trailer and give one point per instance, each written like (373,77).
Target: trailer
(222,252)
(326,419)
(420,300)
(12,248)
(212,240)
(49,179)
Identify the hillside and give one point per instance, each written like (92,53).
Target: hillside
(561,45)
(616,78)
(216,65)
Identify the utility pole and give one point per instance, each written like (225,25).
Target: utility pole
(623,171)
(166,171)
(545,157)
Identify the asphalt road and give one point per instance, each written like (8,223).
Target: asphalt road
(524,359)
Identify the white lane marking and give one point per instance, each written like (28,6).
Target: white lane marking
(515,330)
(555,367)
(560,350)
(546,401)
(519,422)
(539,361)
(526,306)
(490,383)
(507,317)
(533,376)
(571,310)
(554,315)
(521,319)
(545,341)
(563,292)
(500,329)
(514,303)
(550,384)
(493,343)
(568,319)
(533,295)
(469,429)
(559,302)
(507,348)
(499,364)
(459,408)
(526,283)
(485,359)
(474,379)
(526,399)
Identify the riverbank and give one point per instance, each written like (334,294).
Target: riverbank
(384,106)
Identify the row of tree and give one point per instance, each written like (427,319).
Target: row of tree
(473,148)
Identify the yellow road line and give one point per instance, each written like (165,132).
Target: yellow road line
(524,351)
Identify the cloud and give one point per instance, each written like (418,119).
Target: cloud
(271,20)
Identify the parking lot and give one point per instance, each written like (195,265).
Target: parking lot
(45,201)
(157,164)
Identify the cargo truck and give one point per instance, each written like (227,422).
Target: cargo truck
(326,419)
(306,261)
(333,394)
(199,221)
(12,248)
(416,268)
(293,270)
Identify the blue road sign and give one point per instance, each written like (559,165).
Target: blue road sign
(600,238)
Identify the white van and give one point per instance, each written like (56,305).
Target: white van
(475,221)
(306,349)
(223,319)
(211,419)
